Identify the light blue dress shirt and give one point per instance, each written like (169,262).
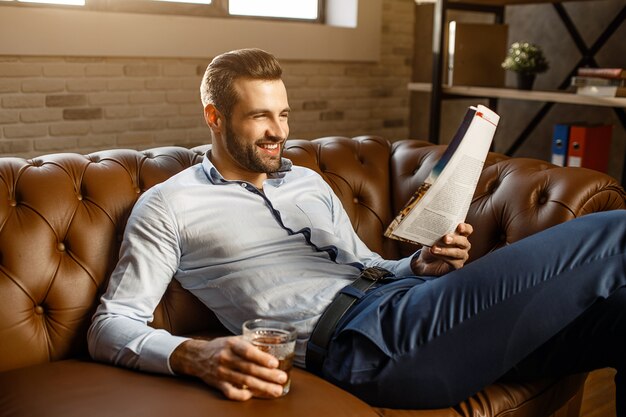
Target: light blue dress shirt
(282,253)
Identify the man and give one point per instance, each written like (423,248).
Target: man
(252,236)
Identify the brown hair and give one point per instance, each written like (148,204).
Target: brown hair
(217,83)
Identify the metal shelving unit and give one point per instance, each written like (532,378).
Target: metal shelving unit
(497,8)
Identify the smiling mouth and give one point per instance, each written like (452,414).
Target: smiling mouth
(269,146)
(272,148)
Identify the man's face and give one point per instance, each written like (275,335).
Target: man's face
(258,127)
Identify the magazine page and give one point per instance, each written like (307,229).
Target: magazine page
(442,201)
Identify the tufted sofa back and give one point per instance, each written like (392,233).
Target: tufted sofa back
(61,222)
(62,217)
(514,198)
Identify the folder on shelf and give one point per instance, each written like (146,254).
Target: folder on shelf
(560,138)
(589,146)
(475,54)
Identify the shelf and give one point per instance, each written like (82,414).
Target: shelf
(499,2)
(514,94)
(438,91)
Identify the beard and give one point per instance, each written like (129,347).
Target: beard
(249,155)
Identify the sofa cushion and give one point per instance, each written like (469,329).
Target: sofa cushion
(82,388)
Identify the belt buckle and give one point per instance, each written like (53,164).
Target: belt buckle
(375,273)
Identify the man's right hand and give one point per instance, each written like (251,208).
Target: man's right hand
(232,365)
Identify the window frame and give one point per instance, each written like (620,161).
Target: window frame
(217,8)
(353,36)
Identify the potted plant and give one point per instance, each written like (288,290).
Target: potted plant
(527,60)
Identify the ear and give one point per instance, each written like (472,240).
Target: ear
(213,118)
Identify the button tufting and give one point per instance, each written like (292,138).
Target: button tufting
(355,200)
(12,203)
(39,310)
(80,197)
(61,247)
(137,190)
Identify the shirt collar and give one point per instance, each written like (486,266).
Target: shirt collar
(216,178)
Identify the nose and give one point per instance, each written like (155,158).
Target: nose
(278,128)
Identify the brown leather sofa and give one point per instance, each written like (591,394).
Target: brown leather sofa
(61,222)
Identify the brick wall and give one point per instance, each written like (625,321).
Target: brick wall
(83,104)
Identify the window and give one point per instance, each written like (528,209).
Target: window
(301,9)
(59,2)
(188,1)
(306,10)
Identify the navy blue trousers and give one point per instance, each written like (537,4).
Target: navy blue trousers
(549,305)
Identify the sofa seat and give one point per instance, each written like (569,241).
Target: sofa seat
(80,388)
(83,388)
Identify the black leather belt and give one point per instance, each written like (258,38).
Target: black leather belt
(325,327)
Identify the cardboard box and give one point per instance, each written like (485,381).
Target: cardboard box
(475,54)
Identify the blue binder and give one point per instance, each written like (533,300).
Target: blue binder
(560,139)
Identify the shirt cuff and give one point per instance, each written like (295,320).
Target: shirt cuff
(403,267)
(155,354)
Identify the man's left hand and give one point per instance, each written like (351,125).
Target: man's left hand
(447,254)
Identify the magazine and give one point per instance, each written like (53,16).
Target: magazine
(442,201)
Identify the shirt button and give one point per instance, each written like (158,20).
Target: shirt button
(244,185)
